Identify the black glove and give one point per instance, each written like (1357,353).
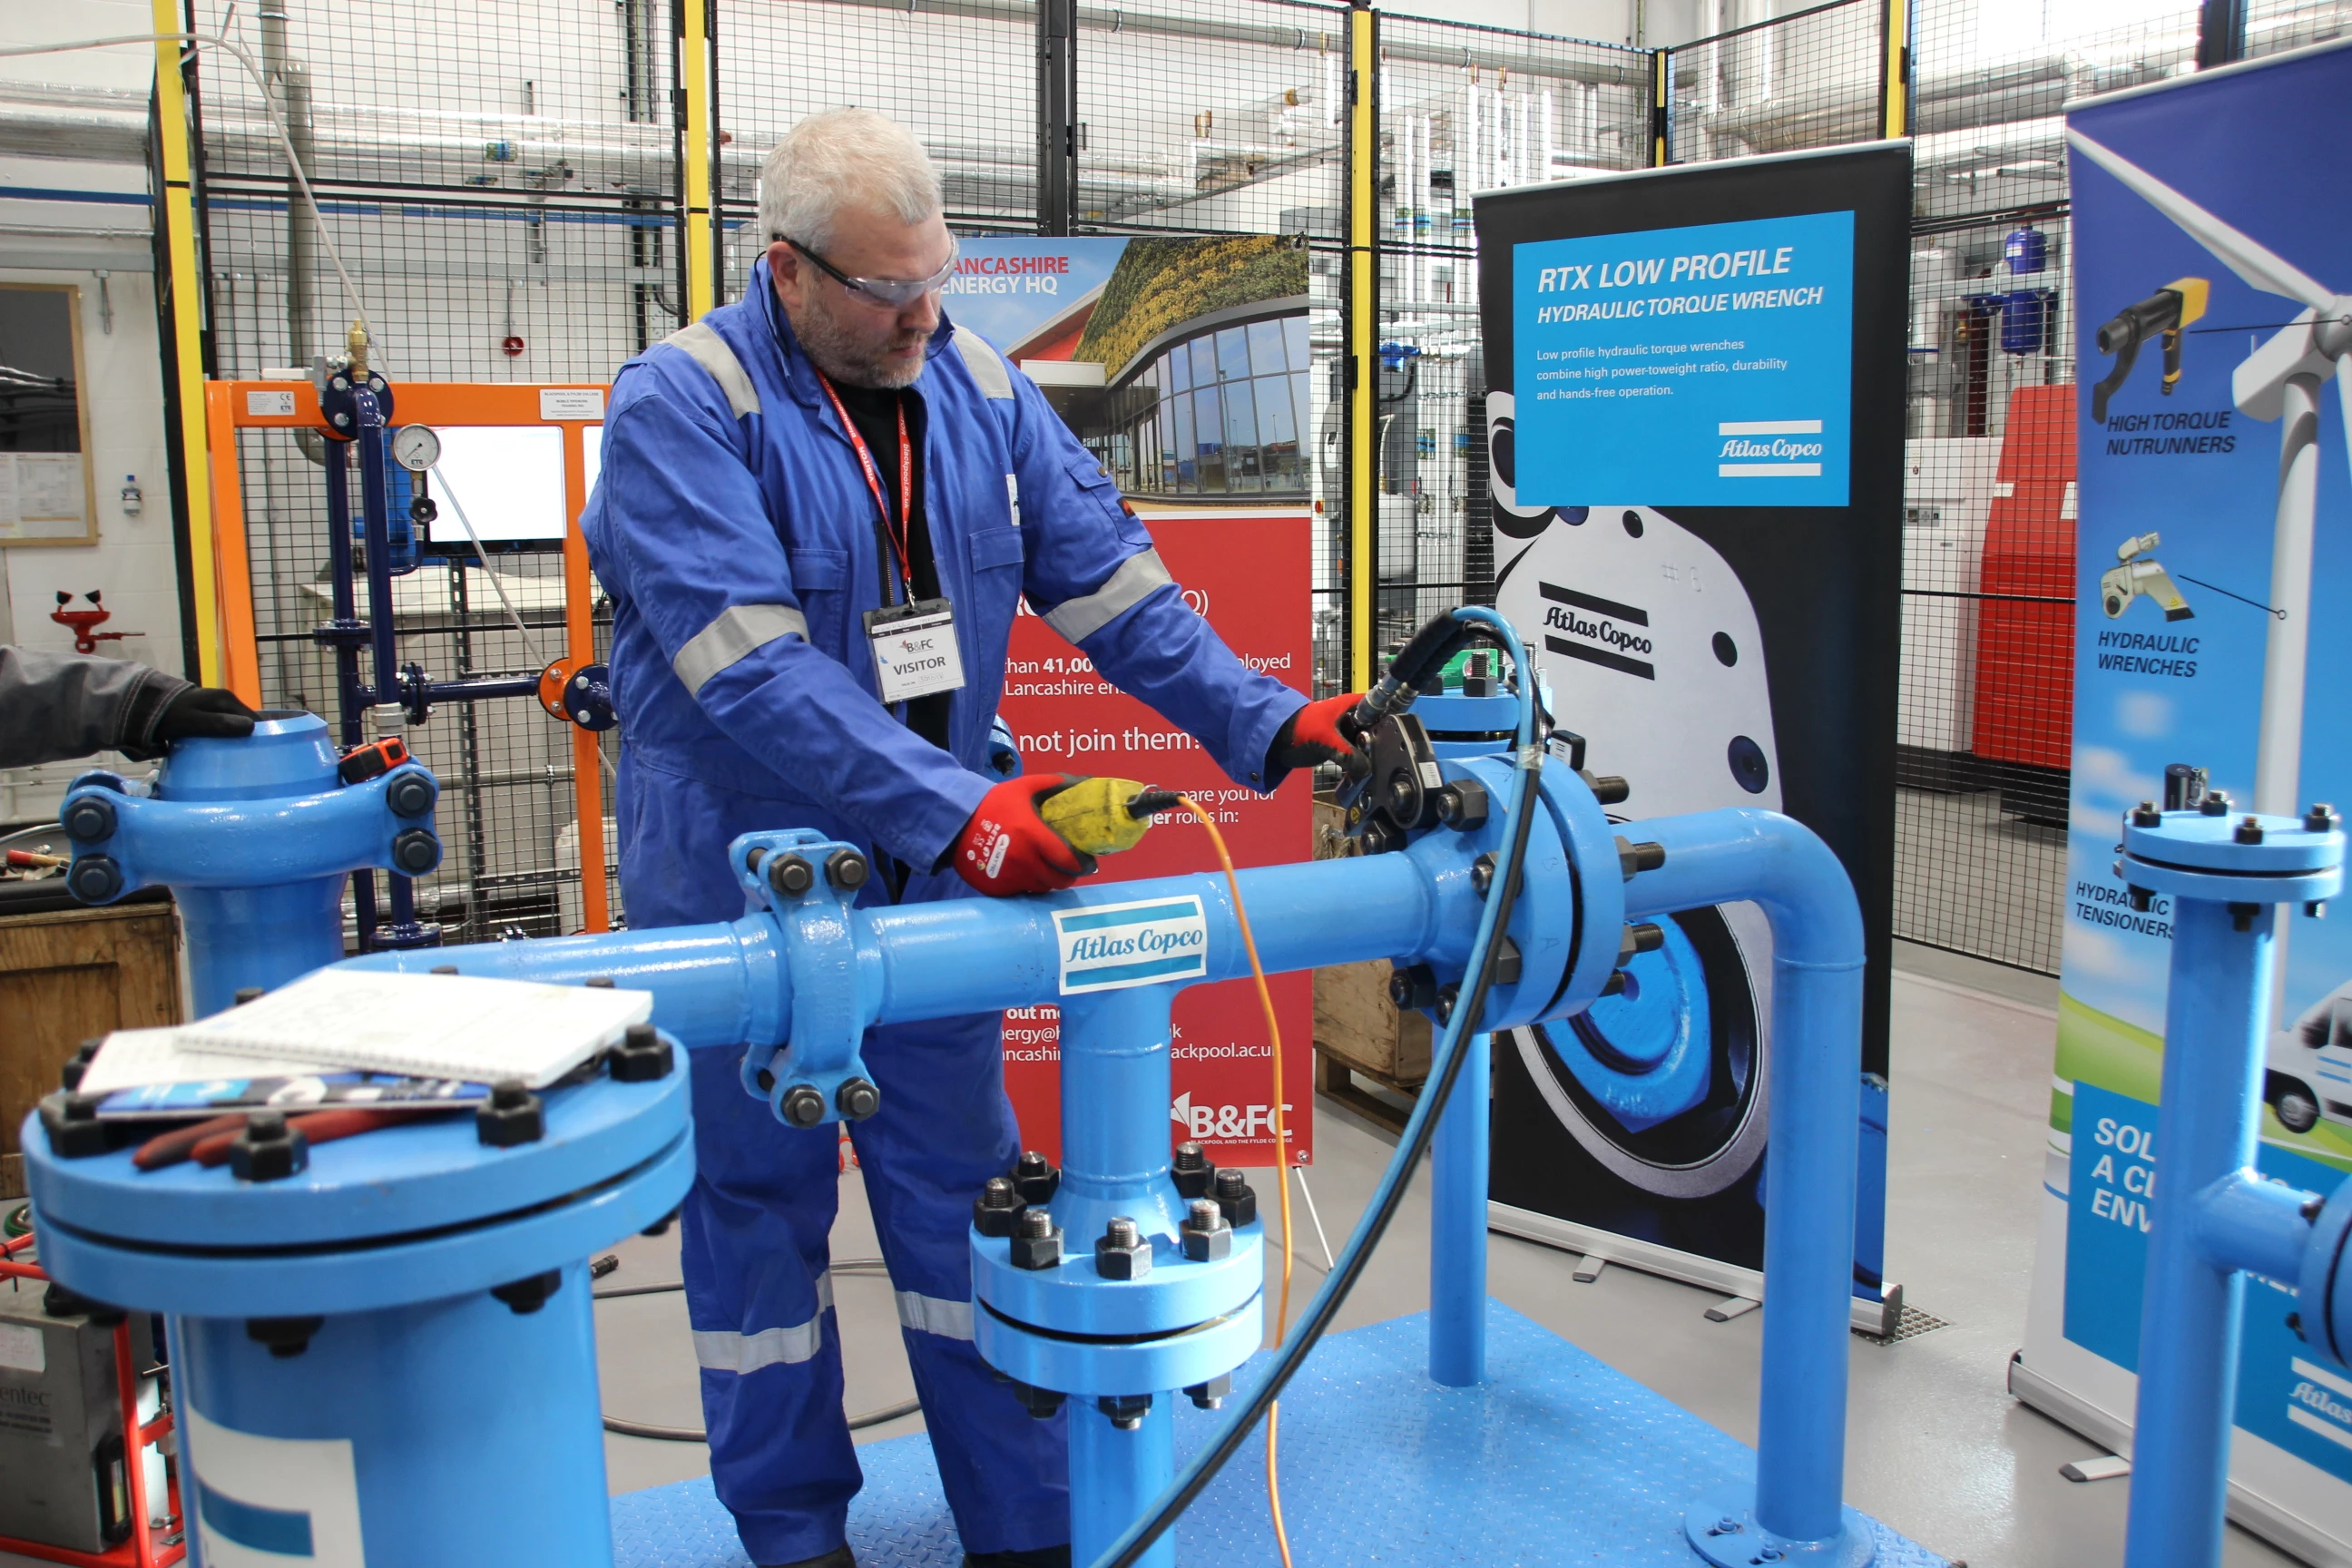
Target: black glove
(1315,734)
(205,713)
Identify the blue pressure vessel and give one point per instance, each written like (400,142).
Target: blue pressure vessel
(2026,250)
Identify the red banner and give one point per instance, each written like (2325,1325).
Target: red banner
(1251,577)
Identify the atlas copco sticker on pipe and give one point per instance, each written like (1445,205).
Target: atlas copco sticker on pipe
(1109,947)
(263,1502)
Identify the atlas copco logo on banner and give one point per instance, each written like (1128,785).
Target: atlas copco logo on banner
(1232,1121)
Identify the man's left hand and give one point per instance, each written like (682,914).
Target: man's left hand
(1320,733)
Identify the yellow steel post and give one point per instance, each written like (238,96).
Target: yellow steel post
(1896,95)
(1363,340)
(1662,69)
(694,81)
(177,213)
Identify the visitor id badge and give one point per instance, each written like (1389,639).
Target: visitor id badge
(914,652)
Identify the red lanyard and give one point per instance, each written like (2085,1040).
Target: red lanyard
(874,478)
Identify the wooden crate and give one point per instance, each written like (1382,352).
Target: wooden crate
(1358,1030)
(68,974)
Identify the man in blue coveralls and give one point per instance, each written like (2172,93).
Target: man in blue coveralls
(792,487)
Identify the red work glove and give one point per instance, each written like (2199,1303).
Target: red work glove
(1007,849)
(1316,733)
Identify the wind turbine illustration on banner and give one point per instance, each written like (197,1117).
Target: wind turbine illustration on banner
(2281,379)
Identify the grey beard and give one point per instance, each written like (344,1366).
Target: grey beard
(833,352)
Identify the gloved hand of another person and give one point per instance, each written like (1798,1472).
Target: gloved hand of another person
(1006,847)
(205,713)
(1314,735)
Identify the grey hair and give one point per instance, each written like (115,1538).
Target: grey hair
(841,158)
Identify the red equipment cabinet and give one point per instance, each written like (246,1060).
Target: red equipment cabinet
(2025,625)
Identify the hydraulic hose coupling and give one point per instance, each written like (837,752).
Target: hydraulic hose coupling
(255,837)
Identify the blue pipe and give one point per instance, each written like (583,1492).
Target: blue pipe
(2245,1221)
(1115,1096)
(1457,1236)
(2215,1016)
(1718,857)
(1115,1475)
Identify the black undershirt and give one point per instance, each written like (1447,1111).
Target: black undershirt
(875,411)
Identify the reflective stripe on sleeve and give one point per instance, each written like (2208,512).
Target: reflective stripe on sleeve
(1081,617)
(721,1350)
(708,349)
(738,631)
(986,366)
(934,1315)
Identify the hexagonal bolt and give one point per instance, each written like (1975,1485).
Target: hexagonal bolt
(2146,814)
(2141,900)
(1042,1404)
(511,1116)
(2317,909)
(415,852)
(268,1150)
(2249,830)
(1233,1197)
(1404,798)
(1189,1168)
(2215,804)
(1609,789)
(246,993)
(598,983)
(790,876)
(998,1209)
(642,1056)
(1412,987)
(528,1294)
(285,1337)
(71,1075)
(802,1105)
(1615,984)
(856,1099)
(2312,1206)
(2321,818)
(1126,1411)
(90,820)
(94,879)
(1444,1007)
(1507,961)
(1462,805)
(1120,1251)
(1205,1234)
(1210,1395)
(1035,1179)
(71,1121)
(1642,936)
(1379,837)
(1481,872)
(1632,859)
(1037,1240)
(846,870)
(410,794)
(443,969)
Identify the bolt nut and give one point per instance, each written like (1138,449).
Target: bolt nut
(2215,804)
(95,878)
(528,1294)
(1126,1411)
(1206,1235)
(847,869)
(790,876)
(1234,1199)
(512,1116)
(1462,805)
(1507,961)
(1632,859)
(856,1099)
(286,1336)
(802,1105)
(410,794)
(1037,1240)
(89,819)
(1122,1252)
(1191,1171)
(1610,790)
(1034,1180)
(642,1056)
(1642,936)
(2249,831)
(2142,900)
(71,1121)
(2146,814)
(74,1069)
(1042,1404)
(270,1149)
(2312,1206)
(2295,1322)
(415,852)
(1443,1006)
(1210,1395)
(2321,818)
(998,1209)
(1481,872)
(1615,984)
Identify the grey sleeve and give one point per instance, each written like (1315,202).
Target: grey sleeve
(54,706)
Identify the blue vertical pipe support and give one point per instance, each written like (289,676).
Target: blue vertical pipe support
(254,836)
(1717,857)
(2224,875)
(372,404)
(1116,1475)
(1457,1233)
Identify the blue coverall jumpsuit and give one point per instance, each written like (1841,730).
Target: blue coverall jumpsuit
(734,529)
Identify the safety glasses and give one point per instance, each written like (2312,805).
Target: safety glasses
(896,293)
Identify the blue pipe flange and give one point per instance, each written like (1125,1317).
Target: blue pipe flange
(2323,1295)
(1115,1365)
(1177,1294)
(2210,853)
(1644,1053)
(809,883)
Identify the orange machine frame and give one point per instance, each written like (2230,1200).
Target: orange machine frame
(228,408)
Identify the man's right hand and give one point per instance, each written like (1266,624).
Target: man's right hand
(1006,847)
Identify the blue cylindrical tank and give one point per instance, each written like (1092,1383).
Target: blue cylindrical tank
(2025,319)
(2027,249)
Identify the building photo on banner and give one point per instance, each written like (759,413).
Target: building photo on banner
(2215,561)
(1182,363)
(1694,447)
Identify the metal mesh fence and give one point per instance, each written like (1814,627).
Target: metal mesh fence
(1812,78)
(1465,109)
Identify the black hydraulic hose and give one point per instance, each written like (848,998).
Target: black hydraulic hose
(1335,1292)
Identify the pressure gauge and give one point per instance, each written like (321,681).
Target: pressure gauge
(415,447)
